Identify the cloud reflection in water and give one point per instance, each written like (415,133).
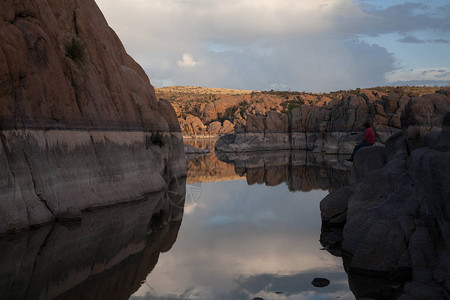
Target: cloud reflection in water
(243,241)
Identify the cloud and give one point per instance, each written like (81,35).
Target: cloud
(273,246)
(404,19)
(431,75)
(297,64)
(440,41)
(187,61)
(265,44)
(410,40)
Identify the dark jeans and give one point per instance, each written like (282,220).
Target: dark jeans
(359,146)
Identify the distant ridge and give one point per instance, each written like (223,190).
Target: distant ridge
(202,90)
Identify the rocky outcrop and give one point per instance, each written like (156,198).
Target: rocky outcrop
(341,111)
(396,209)
(63,66)
(111,251)
(80,125)
(336,127)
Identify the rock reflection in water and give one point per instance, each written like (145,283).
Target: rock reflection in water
(361,285)
(208,168)
(106,255)
(242,240)
(300,170)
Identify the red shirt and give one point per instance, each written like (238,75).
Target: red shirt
(369,136)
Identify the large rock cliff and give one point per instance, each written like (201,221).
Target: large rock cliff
(80,123)
(63,66)
(396,210)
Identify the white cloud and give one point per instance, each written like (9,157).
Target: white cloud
(187,61)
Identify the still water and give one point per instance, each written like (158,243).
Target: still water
(247,232)
(245,228)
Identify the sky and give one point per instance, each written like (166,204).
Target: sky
(307,45)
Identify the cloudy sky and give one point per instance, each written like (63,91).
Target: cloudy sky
(298,45)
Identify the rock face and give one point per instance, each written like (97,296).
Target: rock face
(80,125)
(98,85)
(396,210)
(336,127)
(340,112)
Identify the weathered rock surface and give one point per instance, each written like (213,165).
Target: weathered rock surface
(99,85)
(398,214)
(329,123)
(80,125)
(45,173)
(336,127)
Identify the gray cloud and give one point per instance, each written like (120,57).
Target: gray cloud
(421,82)
(440,41)
(404,19)
(300,64)
(287,44)
(409,39)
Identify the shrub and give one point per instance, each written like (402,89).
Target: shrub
(76,51)
(157,139)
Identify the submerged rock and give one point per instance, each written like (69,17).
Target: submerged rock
(320,282)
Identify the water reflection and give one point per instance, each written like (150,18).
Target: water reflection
(106,255)
(251,233)
(300,170)
(253,237)
(208,168)
(243,241)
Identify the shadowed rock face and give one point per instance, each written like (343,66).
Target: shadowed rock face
(105,255)
(80,125)
(300,170)
(396,213)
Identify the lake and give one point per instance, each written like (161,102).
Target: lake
(251,228)
(238,227)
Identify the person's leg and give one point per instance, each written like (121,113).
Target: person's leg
(357,147)
(354,151)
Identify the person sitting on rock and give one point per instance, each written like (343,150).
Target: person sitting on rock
(368,140)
